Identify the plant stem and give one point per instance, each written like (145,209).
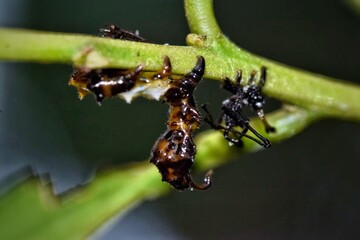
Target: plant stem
(323,94)
(201,18)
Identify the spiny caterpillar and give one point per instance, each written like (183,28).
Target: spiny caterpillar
(232,115)
(109,82)
(174,151)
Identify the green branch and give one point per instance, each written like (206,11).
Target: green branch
(316,92)
(201,18)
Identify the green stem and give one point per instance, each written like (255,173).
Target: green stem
(316,92)
(201,18)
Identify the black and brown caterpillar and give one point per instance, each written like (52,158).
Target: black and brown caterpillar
(232,115)
(174,151)
(108,82)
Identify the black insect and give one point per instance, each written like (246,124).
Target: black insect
(232,110)
(113,31)
(174,151)
(106,83)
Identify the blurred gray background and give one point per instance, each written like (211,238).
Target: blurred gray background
(304,188)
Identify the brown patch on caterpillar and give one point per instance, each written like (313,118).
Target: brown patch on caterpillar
(175,150)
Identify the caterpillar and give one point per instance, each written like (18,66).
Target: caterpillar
(232,115)
(174,152)
(109,82)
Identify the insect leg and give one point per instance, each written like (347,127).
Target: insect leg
(208,118)
(262,77)
(238,78)
(245,124)
(252,78)
(264,142)
(207,182)
(236,142)
(229,86)
(261,115)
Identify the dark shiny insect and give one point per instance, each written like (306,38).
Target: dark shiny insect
(105,83)
(113,31)
(232,115)
(174,151)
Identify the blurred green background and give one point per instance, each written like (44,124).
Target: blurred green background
(304,188)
